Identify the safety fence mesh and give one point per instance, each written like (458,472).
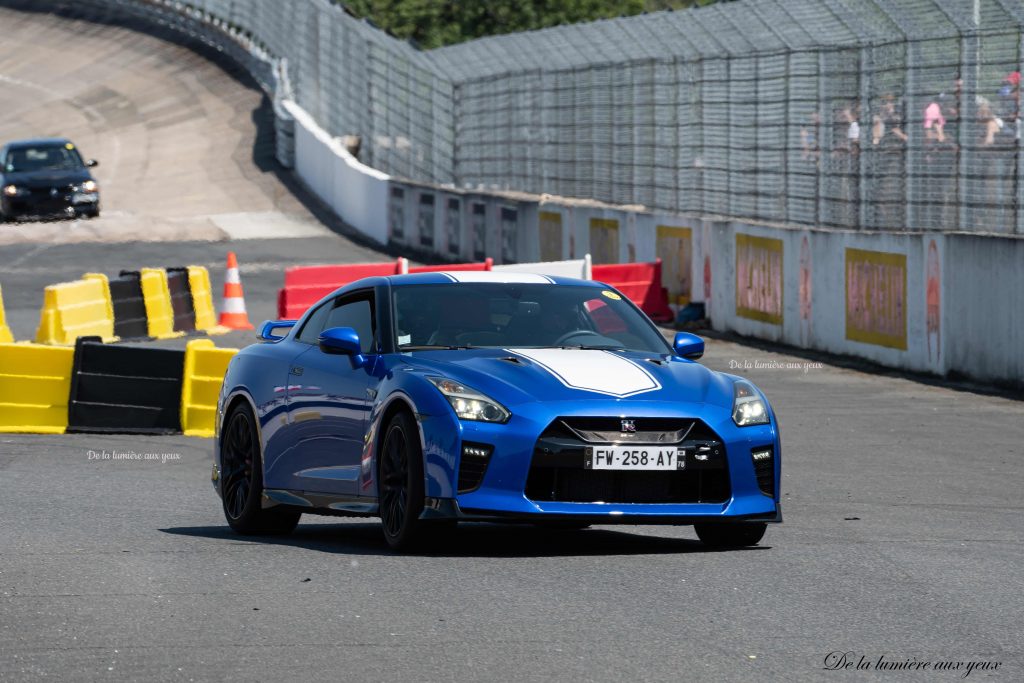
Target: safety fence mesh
(860,114)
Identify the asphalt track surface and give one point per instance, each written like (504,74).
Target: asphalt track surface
(902,502)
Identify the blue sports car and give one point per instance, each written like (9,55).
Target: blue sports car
(431,398)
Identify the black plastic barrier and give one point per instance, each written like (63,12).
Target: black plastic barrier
(125,389)
(181,300)
(129,306)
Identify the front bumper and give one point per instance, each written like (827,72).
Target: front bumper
(43,205)
(448,508)
(504,492)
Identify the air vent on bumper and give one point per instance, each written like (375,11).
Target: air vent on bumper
(473,465)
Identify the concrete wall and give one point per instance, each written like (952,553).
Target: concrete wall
(353,190)
(983,307)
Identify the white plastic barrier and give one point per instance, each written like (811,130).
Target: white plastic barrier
(578,268)
(356,192)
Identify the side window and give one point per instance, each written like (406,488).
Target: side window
(314,324)
(358,315)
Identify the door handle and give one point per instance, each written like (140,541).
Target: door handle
(297,371)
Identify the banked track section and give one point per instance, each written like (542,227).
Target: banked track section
(185,145)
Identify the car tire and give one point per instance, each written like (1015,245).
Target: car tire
(731,535)
(400,481)
(241,479)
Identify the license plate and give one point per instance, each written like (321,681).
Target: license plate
(83,198)
(634,458)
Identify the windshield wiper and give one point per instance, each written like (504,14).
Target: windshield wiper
(589,347)
(436,347)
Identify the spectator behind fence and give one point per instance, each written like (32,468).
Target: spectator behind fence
(809,138)
(888,142)
(938,210)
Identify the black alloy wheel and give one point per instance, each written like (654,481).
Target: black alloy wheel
(401,483)
(241,479)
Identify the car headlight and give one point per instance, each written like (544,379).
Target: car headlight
(12,190)
(470,404)
(748,407)
(90,186)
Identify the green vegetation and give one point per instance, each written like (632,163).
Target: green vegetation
(433,23)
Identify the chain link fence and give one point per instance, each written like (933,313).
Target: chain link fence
(860,114)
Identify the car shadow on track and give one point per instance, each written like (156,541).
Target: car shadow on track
(468,540)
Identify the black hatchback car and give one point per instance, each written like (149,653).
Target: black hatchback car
(45,178)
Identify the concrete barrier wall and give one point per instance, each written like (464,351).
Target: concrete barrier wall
(983,307)
(354,191)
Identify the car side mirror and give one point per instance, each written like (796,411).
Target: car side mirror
(341,340)
(688,345)
(92,163)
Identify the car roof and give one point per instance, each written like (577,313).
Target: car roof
(485,277)
(35,142)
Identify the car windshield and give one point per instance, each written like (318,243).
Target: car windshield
(501,315)
(49,157)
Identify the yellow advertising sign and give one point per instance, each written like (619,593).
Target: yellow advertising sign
(675,248)
(604,240)
(876,298)
(550,227)
(759,278)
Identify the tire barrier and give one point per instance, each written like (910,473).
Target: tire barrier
(129,306)
(641,282)
(305,285)
(5,332)
(105,388)
(156,303)
(202,300)
(182,307)
(124,389)
(205,366)
(34,386)
(76,309)
(157,297)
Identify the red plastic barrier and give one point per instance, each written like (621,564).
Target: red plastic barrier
(305,285)
(486,265)
(641,282)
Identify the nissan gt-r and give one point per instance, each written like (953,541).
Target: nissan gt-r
(433,398)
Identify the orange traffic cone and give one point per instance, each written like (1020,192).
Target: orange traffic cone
(232,314)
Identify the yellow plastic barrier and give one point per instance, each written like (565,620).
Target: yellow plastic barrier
(157,297)
(202,301)
(5,332)
(35,382)
(205,366)
(77,309)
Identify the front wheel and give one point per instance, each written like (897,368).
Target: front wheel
(401,483)
(734,535)
(241,479)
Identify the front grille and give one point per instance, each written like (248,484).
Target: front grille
(557,471)
(764,469)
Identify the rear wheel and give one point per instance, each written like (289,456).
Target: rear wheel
(241,479)
(735,535)
(401,483)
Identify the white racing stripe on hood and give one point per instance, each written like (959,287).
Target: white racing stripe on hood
(602,372)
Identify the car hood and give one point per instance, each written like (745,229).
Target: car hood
(48,178)
(513,376)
